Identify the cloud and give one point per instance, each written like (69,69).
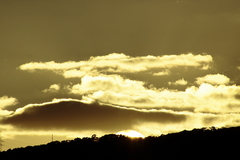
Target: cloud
(75,115)
(115,83)
(53,88)
(78,117)
(211,98)
(194,120)
(121,63)
(116,90)
(32,66)
(215,79)
(6,101)
(162,73)
(74,73)
(109,96)
(181,82)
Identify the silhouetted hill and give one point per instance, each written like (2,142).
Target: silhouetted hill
(196,144)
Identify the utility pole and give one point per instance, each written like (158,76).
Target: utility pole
(52,137)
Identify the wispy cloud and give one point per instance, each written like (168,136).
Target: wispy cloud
(121,63)
(161,73)
(179,82)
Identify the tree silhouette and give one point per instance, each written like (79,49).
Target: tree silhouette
(201,143)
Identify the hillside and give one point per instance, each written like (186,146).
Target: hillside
(198,143)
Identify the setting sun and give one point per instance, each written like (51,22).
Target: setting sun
(131,133)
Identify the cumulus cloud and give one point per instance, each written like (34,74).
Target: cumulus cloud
(116,90)
(4,102)
(213,98)
(107,82)
(53,88)
(7,101)
(121,63)
(181,82)
(215,79)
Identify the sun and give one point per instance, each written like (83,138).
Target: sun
(130,133)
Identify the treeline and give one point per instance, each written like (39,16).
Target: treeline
(196,144)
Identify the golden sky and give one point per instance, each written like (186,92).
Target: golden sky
(77,68)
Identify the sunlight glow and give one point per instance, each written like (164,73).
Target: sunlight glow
(130,133)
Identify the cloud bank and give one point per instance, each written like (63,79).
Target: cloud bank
(76,115)
(110,100)
(85,115)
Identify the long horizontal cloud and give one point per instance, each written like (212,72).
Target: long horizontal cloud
(84,115)
(121,63)
(79,115)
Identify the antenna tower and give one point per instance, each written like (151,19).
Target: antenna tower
(1,142)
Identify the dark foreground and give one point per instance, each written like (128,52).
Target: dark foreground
(196,144)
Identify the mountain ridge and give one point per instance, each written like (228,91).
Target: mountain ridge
(204,143)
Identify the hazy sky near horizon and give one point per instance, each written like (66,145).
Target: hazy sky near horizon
(75,68)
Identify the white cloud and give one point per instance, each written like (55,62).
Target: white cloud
(4,102)
(51,65)
(162,73)
(210,98)
(7,101)
(74,73)
(53,88)
(121,63)
(114,83)
(117,90)
(215,79)
(181,82)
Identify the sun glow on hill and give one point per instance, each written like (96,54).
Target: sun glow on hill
(131,133)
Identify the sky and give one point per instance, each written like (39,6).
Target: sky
(76,68)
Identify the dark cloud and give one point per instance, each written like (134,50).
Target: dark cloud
(73,115)
(207,121)
(237,96)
